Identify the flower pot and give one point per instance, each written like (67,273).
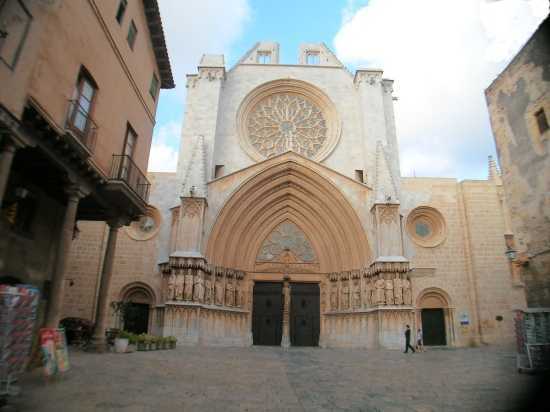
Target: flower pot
(121,345)
(141,346)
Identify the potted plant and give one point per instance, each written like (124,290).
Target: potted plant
(148,342)
(121,342)
(165,343)
(132,342)
(141,342)
(172,340)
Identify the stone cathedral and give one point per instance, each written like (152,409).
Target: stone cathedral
(288,223)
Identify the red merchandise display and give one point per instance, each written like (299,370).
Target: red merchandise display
(18,309)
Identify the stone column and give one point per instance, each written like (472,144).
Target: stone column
(6,159)
(285,341)
(98,339)
(66,237)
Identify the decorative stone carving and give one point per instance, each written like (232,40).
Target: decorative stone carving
(380,285)
(426,226)
(191,207)
(285,238)
(367,298)
(179,286)
(219,291)
(288,114)
(207,291)
(188,288)
(356,301)
(407,292)
(192,80)
(147,226)
(398,291)
(345,295)
(229,294)
(211,74)
(387,86)
(370,78)
(333,296)
(285,121)
(171,287)
(389,214)
(198,289)
(389,292)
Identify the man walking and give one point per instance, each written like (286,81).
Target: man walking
(408,339)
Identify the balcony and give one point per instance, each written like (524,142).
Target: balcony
(80,125)
(124,169)
(126,191)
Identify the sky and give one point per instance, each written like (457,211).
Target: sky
(442,54)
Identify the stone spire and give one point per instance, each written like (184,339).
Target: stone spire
(385,189)
(194,181)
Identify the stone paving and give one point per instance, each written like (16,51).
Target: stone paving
(270,379)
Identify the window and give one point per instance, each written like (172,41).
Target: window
(264,57)
(81,107)
(121,10)
(422,228)
(154,87)
(132,34)
(359,176)
(542,121)
(14,26)
(218,171)
(130,141)
(129,148)
(312,58)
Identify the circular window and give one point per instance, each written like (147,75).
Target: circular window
(287,115)
(146,226)
(426,226)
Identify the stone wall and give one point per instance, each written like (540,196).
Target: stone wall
(468,266)
(513,100)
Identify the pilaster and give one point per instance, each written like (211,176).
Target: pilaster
(368,83)
(203,97)
(189,231)
(391,135)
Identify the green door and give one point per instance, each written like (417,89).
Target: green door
(433,327)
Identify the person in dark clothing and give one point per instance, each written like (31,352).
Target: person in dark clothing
(408,339)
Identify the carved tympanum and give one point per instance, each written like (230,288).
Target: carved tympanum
(286,241)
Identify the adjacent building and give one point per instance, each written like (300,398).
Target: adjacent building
(287,222)
(80,83)
(519,106)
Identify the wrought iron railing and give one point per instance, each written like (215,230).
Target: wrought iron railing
(81,125)
(124,168)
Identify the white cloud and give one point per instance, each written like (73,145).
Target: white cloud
(195,27)
(442,55)
(164,152)
(191,28)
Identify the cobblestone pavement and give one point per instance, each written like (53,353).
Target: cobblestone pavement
(268,378)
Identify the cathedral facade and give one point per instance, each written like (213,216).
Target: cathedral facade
(288,223)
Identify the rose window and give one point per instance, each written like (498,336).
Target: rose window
(285,121)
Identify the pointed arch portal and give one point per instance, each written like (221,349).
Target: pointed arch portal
(293,194)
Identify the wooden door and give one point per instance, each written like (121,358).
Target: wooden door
(304,314)
(267,313)
(136,318)
(433,327)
